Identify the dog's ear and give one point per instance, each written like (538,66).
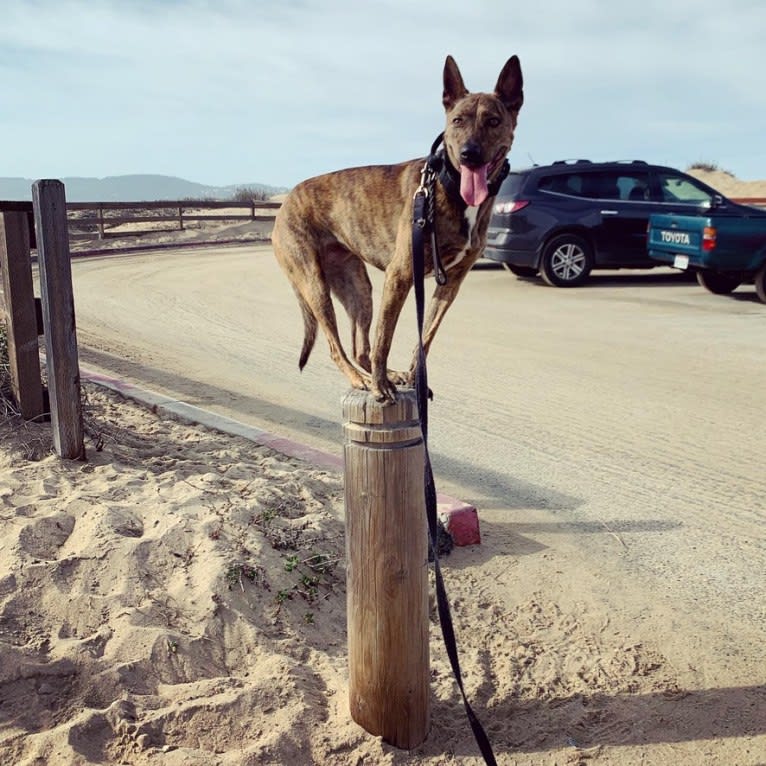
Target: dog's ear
(454,89)
(509,88)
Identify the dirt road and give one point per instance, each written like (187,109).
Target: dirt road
(610,437)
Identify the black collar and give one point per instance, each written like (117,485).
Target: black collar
(449,176)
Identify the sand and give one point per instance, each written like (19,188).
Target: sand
(179,598)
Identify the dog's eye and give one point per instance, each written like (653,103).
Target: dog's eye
(457,120)
(493,122)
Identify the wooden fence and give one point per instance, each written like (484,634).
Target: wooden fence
(44,220)
(103,219)
(87,219)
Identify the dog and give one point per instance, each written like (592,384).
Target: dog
(330,226)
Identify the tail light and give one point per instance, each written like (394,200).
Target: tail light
(708,238)
(510,206)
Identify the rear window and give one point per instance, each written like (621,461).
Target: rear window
(563,183)
(512,185)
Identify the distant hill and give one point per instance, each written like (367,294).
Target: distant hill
(132,188)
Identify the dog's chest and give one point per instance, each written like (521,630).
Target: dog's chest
(466,229)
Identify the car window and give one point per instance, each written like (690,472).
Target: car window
(512,184)
(625,185)
(634,187)
(675,188)
(562,183)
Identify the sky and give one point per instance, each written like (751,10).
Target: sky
(257,91)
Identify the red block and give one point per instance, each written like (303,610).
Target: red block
(461,521)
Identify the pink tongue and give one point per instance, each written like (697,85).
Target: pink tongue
(473,185)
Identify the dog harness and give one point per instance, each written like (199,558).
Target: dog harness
(438,166)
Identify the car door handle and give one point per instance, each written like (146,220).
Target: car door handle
(609,212)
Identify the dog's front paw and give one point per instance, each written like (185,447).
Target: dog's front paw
(384,391)
(398,378)
(360,381)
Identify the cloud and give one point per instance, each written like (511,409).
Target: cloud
(233,91)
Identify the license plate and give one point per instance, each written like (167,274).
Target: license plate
(681,262)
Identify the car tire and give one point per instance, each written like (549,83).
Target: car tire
(760,283)
(521,271)
(567,261)
(718,282)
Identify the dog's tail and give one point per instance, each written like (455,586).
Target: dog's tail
(309,332)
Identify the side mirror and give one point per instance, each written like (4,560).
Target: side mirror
(716,201)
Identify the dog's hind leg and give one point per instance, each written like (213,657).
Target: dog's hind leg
(301,262)
(348,280)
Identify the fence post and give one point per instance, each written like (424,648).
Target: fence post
(180,218)
(58,318)
(100,221)
(24,357)
(387,568)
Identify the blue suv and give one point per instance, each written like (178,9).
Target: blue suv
(563,220)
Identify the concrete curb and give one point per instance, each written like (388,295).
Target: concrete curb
(460,519)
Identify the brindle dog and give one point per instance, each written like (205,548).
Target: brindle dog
(331,225)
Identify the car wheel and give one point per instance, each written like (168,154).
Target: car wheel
(760,283)
(718,282)
(521,271)
(567,261)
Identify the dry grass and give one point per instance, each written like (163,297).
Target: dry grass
(21,439)
(8,406)
(709,167)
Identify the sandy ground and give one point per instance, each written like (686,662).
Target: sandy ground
(179,599)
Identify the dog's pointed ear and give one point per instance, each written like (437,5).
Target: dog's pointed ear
(454,89)
(510,85)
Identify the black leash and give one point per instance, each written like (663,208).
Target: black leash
(423,227)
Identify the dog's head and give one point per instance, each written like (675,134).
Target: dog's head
(480,126)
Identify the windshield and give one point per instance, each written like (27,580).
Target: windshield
(675,188)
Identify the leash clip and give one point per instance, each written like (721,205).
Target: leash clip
(426,180)
(423,215)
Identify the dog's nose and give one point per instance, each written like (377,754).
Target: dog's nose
(470,154)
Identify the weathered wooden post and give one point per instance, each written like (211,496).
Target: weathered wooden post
(23,354)
(58,318)
(387,568)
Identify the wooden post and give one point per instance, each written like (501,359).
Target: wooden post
(58,318)
(100,221)
(387,568)
(24,357)
(180,218)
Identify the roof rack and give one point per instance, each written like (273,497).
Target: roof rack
(604,162)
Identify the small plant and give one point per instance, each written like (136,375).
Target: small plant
(236,574)
(263,519)
(283,595)
(308,588)
(249,194)
(320,563)
(709,167)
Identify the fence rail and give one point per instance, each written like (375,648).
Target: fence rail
(757,201)
(102,215)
